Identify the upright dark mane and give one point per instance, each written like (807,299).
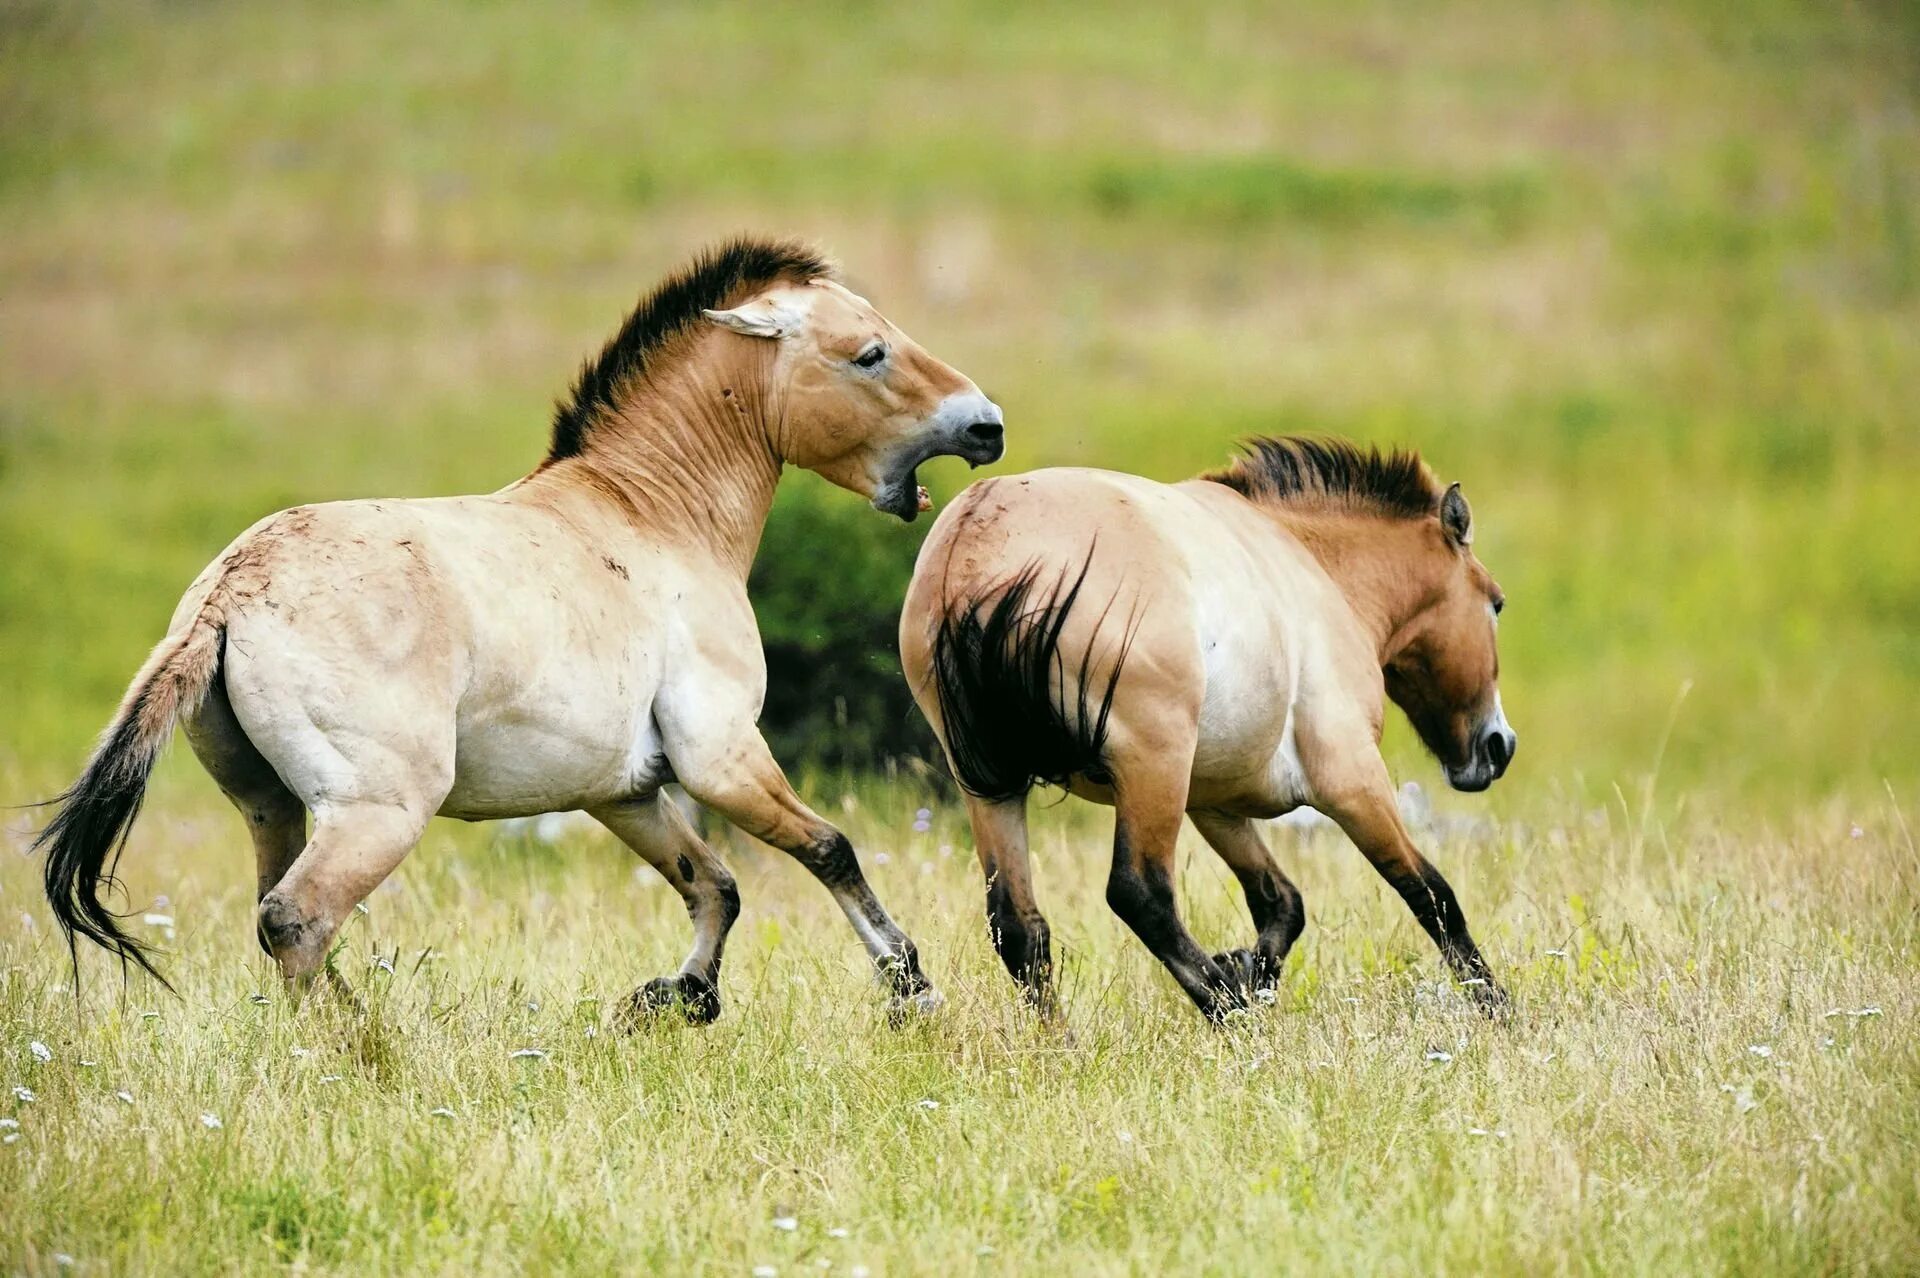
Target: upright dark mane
(716,278)
(1332,472)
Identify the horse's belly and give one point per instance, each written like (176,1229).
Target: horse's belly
(511,765)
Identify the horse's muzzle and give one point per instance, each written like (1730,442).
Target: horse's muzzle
(1493,751)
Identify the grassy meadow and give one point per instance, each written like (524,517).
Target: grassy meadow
(1645,279)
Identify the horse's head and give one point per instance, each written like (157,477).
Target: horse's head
(858,401)
(1445,669)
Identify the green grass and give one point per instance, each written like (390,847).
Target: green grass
(1624,1122)
(1647,280)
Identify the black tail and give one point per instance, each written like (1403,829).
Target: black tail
(994,668)
(84,840)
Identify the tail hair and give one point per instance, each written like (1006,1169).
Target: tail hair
(994,667)
(88,833)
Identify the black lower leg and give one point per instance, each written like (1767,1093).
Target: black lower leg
(1433,903)
(1143,898)
(830,858)
(1279,916)
(1024,943)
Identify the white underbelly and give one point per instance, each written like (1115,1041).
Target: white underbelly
(508,766)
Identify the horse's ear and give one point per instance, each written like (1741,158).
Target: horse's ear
(1456,517)
(763,317)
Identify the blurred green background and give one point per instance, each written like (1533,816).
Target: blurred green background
(1645,278)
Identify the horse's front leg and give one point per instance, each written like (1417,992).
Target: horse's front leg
(742,783)
(1371,818)
(656,829)
(1279,913)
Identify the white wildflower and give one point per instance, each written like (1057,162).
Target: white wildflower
(9,1124)
(1438,1055)
(258,1000)
(384,963)
(88,1064)
(1556,953)
(24,1094)
(125,1096)
(859,1271)
(839,1231)
(881,858)
(1125,1138)
(765,1271)
(41,1052)
(528,1054)
(211,1122)
(149,1016)
(329,1078)
(1855,832)
(300,1053)
(62,1260)
(157,920)
(1762,1050)
(928,1103)
(786,1224)
(983,1249)
(440,1111)
(9,1138)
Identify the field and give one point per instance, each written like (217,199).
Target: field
(1647,280)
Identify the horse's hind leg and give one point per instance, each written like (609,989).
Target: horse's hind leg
(1275,903)
(276,819)
(1150,798)
(1020,931)
(355,845)
(656,830)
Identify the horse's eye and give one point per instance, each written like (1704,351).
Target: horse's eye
(1499,605)
(872,356)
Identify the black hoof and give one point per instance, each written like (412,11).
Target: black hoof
(1492,1001)
(1249,971)
(690,996)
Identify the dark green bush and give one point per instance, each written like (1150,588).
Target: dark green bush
(827,588)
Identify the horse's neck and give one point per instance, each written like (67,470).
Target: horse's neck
(683,466)
(1380,565)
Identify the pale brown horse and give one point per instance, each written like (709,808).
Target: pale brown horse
(575,640)
(1220,648)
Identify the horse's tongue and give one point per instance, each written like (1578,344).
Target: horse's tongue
(926,498)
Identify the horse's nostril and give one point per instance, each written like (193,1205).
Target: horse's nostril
(1500,748)
(986,432)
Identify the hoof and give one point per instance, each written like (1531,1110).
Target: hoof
(902,1008)
(1250,972)
(690,996)
(1492,1001)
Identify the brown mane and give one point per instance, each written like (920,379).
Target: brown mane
(1309,471)
(716,278)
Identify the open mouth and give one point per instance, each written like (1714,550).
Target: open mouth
(903,496)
